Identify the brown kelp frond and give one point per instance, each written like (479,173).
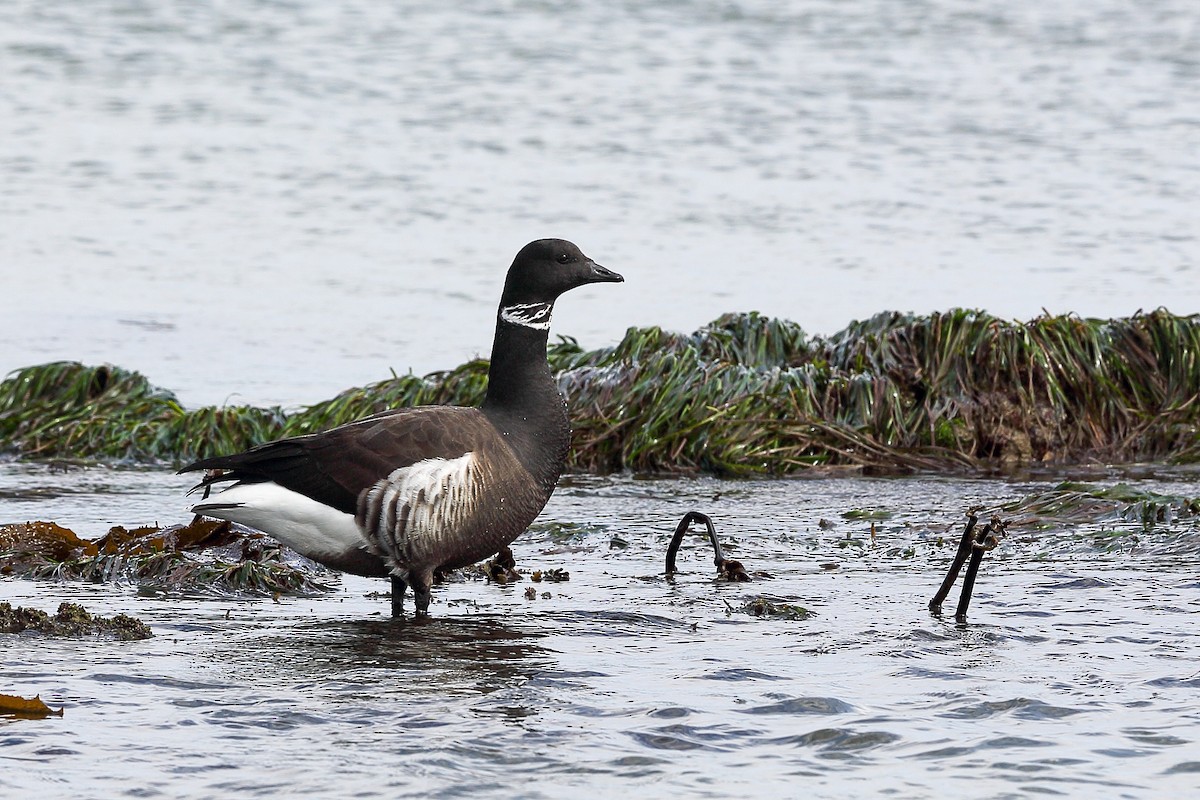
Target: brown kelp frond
(205,557)
(14,706)
(744,394)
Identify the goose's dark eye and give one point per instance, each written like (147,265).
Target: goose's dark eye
(564,258)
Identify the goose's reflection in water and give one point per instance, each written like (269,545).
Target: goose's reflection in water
(438,657)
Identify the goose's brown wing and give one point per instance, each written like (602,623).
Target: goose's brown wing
(334,466)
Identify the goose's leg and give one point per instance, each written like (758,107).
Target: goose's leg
(422,589)
(398,589)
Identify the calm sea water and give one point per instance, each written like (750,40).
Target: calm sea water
(271,201)
(1077,674)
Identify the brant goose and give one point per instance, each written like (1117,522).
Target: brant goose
(412,491)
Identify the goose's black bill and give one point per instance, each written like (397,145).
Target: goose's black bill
(604,275)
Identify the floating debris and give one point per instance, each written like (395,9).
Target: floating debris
(1071,502)
(204,556)
(71,621)
(26,708)
(873,514)
(727,568)
(550,575)
(762,607)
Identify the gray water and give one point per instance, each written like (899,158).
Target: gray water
(269,202)
(1077,674)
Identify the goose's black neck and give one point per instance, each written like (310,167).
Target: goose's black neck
(523,401)
(519,374)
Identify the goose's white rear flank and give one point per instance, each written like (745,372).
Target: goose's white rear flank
(307,526)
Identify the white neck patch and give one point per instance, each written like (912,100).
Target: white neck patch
(529,315)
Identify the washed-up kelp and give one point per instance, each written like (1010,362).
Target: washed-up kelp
(71,620)
(745,394)
(26,707)
(205,557)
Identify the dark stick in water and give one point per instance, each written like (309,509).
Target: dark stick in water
(960,558)
(987,539)
(728,569)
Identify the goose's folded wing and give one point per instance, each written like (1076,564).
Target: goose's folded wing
(334,466)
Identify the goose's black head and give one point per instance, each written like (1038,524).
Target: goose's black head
(545,269)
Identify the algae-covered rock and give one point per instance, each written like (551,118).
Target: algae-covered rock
(71,621)
(204,557)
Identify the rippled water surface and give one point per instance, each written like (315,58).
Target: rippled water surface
(272,201)
(1076,675)
(269,202)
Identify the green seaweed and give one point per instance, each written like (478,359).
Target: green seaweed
(1076,503)
(743,395)
(774,609)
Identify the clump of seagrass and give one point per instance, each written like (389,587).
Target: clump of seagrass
(65,409)
(204,557)
(1073,503)
(745,394)
(71,621)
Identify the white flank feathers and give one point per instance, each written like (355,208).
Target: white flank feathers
(307,526)
(411,512)
(530,315)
